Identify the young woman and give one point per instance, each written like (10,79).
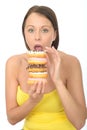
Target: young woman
(56,103)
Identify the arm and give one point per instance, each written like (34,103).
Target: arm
(16,113)
(75,107)
(71,94)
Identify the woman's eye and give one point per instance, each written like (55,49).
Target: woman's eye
(30,30)
(44,30)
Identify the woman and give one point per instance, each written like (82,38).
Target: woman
(57,103)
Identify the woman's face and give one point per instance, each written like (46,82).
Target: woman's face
(38,32)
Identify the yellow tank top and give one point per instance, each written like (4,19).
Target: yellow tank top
(48,114)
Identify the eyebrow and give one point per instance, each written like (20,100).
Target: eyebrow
(41,26)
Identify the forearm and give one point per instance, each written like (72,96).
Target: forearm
(18,113)
(74,111)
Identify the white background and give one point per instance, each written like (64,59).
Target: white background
(72,20)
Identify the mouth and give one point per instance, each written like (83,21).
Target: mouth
(38,48)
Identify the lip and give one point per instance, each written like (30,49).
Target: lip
(38,47)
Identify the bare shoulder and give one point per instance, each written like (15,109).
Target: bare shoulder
(70,65)
(14,61)
(69,60)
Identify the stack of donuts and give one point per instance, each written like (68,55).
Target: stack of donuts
(37,66)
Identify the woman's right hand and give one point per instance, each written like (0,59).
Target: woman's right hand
(37,90)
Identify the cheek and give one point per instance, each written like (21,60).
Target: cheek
(28,38)
(48,40)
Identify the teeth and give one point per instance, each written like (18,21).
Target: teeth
(36,51)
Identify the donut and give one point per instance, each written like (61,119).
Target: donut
(38,74)
(37,60)
(37,69)
(37,66)
(39,54)
(33,77)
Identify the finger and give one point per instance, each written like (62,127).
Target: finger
(34,86)
(56,55)
(44,86)
(30,92)
(49,50)
(39,87)
(34,95)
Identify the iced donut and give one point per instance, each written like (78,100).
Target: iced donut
(37,66)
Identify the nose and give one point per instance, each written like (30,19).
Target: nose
(37,35)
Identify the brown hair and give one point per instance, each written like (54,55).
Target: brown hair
(48,13)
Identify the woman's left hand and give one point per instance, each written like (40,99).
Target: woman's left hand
(53,63)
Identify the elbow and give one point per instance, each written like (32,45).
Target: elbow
(80,121)
(80,124)
(11,121)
